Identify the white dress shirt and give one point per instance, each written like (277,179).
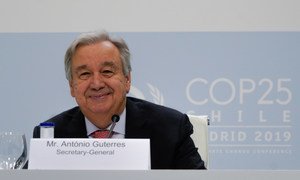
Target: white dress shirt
(119,130)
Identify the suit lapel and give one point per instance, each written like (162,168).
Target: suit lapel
(136,121)
(77,127)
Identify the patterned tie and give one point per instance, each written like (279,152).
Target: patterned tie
(100,134)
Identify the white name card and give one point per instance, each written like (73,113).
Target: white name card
(90,154)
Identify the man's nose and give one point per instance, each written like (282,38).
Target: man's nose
(97,82)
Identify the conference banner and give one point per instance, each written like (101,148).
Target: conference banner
(246,82)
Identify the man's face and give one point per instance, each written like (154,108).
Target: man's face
(98,82)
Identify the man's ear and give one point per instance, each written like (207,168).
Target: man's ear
(71,88)
(128,82)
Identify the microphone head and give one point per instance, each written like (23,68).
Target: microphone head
(115,118)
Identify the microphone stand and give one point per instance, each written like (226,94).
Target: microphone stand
(115,118)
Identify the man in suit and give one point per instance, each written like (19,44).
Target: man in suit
(99,73)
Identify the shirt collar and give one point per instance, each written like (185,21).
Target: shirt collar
(119,128)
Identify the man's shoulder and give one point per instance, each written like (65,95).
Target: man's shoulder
(145,104)
(150,108)
(66,115)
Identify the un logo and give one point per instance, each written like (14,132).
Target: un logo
(157,96)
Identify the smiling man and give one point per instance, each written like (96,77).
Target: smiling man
(98,82)
(99,73)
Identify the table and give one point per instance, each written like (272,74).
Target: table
(150,175)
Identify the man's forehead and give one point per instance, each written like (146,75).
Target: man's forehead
(109,63)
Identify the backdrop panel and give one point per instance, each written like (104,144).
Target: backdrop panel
(247,82)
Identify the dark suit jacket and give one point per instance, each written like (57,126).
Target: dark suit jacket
(168,130)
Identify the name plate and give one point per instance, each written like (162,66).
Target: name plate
(90,154)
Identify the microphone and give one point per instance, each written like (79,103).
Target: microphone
(115,118)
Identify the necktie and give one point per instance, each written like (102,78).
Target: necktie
(100,134)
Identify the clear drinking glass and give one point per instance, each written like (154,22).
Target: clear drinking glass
(13,150)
